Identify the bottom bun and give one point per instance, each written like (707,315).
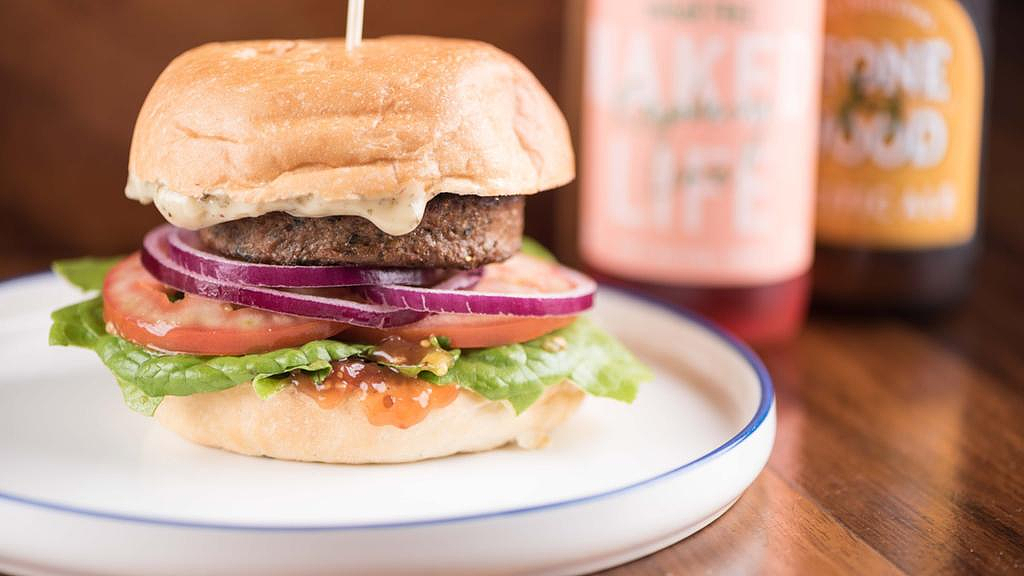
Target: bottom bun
(292,426)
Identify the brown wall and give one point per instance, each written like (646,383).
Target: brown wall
(74,74)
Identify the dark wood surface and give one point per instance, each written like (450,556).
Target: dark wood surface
(900,449)
(900,443)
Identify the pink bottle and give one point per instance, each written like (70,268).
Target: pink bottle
(699,138)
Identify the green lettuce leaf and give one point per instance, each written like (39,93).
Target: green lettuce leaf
(78,325)
(138,400)
(85,273)
(531,247)
(147,375)
(590,357)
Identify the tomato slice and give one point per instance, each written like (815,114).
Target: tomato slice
(519,274)
(141,309)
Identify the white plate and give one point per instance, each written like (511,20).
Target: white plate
(89,487)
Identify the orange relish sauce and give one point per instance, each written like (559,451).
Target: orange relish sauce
(399,351)
(389,398)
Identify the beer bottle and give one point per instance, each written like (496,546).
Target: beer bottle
(901,136)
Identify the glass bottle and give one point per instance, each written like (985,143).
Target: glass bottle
(902,124)
(699,132)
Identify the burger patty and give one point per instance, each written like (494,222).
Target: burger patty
(456,232)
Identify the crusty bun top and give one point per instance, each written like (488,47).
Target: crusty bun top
(239,129)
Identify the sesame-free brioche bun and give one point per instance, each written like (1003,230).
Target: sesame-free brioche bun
(240,129)
(292,426)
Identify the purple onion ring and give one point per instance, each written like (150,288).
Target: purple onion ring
(444,299)
(185,249)
(157,260)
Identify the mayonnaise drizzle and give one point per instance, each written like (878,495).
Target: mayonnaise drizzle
(395,215)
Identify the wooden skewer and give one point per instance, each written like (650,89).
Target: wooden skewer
(354,25)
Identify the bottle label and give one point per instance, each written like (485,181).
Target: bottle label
(901,124)
(700,123)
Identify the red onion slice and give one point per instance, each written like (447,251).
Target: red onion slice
(446,300)
(157,260)
(186,250)
(461,280)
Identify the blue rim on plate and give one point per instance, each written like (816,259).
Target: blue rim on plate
(763,409)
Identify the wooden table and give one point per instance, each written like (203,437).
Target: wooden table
(900,449)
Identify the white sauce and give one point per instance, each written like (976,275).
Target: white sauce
(423,398)
(396,215)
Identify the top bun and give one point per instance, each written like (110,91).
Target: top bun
(240,129)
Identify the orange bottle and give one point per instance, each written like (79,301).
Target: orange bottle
(902,110)
(699,134)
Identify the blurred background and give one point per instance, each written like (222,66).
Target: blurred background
(74,75)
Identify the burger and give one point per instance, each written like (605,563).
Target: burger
(343,276)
